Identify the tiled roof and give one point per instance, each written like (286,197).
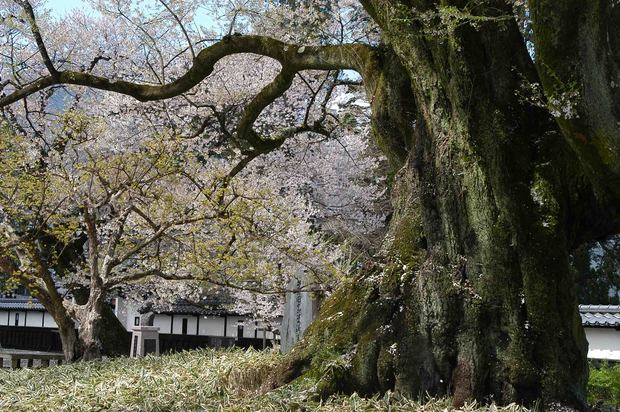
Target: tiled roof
(20,304)
(600,315)
(189,309)
(213,303)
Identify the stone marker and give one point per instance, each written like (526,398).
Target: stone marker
(300,309)
(144,340)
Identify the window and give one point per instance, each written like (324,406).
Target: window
(184,326)
(136,321)
(239,329)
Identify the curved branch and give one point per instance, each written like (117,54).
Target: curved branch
(291,57)
(267,95)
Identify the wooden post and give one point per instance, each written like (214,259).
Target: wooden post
(15,363)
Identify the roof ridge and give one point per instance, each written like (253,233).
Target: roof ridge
(599,308)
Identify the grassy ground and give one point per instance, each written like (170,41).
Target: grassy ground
(203,380)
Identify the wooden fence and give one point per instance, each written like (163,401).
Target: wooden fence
(48,340)
(30,338)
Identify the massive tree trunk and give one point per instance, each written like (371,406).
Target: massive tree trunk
(474,297)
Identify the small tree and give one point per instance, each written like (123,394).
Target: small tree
(153,211)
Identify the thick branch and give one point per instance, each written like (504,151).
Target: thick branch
(266,96)
(292,57)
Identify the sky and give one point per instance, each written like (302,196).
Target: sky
(61,7)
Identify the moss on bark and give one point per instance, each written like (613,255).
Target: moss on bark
(473,296)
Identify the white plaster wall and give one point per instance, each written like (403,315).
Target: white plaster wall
(603,339)
(34,319)
(211,326)
(231,326)
(162,322)
(49,321)
(126,313)
(20,320)
(249,326)
(177,326)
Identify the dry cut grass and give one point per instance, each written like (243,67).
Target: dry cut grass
(201,380)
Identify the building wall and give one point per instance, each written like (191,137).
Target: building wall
(162,322)
(16,315)
(34,319)
(49,321)
(211,326)
(231,325)
(178,323)
(126,312)
(603,339)
(30,318)
(207,326)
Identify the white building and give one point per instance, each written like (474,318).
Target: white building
(187,319)
(602,326)
(25,324)
(24,311)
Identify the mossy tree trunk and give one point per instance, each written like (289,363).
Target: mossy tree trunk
(578,58)
(473,296)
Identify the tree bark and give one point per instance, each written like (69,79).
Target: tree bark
(104,327)
(473,297)
(90,327)
(69,340)
(578,58)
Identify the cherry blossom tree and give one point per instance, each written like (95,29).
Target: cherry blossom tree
(472,294)
(152,211)
(221,98)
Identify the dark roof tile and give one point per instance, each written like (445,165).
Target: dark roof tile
(600,315)
(20,304)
